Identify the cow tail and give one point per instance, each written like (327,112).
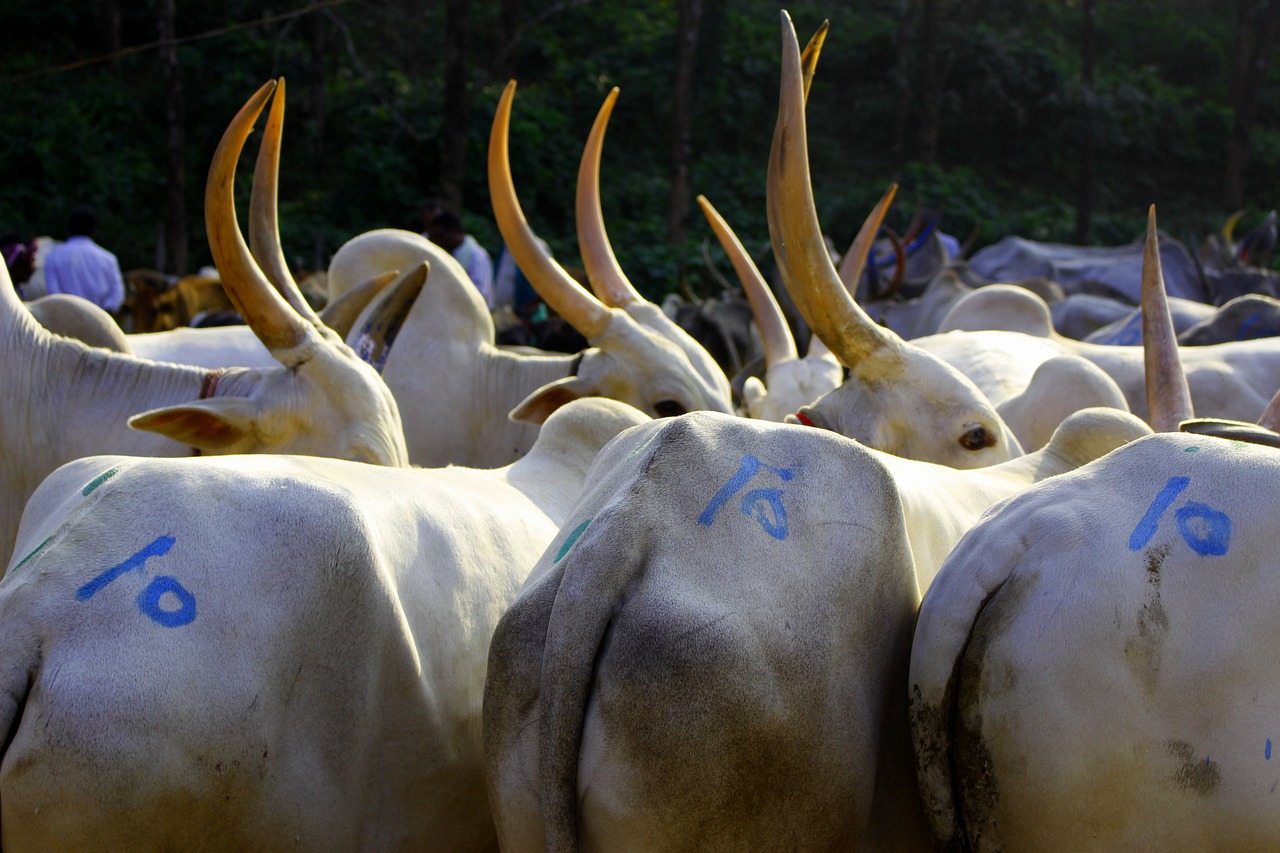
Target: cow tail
(596,576)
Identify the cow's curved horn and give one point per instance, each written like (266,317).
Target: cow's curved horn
(856,258)
(779,345)
(341,313)
(802,258)
(373,343)
(1168,397)
(604,272)
(264,230)
(565,296)
(276,324)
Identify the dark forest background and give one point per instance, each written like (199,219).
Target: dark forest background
(1056,120)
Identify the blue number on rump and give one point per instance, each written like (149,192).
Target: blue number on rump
(755,503)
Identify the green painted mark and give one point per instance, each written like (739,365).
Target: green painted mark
(38,549)
(633,454)
(99,480)
(573,537)
(1190,449)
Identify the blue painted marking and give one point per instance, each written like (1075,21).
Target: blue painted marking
(1249,323)
(1147,526)
(573,537)
(157,548)
(1267,751)
(1191,450)
(1205,529)
(755,503)
(759,502)
(149,602)
(99,480)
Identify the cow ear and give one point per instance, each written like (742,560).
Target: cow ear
(216,425)
(538,406)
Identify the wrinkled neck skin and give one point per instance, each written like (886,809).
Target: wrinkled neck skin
(455,396)
(65,400)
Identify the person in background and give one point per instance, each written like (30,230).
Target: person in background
(83,268)
(442,227)
(19,254)
(511,286)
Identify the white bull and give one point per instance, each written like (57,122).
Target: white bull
(1093,668)
(67,400)
(710,656)
(267,652)
(466,401)
(897,397)
(1070,665)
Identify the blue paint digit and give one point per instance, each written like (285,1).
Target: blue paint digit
(1267,752)
(1206,530)
(149,602)
(758,502)
(764,505)
(750,465)
(157,548)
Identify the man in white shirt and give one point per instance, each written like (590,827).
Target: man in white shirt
(445,230)
(83,268)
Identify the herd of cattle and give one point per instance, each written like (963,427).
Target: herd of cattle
(366,581)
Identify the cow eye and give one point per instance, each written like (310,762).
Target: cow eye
(668,408)
(977,438)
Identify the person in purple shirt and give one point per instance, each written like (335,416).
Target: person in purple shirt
(83,268)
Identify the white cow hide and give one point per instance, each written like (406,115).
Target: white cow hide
(267,652)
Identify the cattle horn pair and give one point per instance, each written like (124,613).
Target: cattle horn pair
(775,334)
(564,295)
(803,262)
(258,280)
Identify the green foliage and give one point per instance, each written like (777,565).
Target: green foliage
(366,106)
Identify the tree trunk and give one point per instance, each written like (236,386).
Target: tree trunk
(930,91)
(1086,192)
(1252,58)
(175,216)
(681,157)
(902,85)
(316,128)
(453,144)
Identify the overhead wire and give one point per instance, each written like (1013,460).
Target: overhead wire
(141,48)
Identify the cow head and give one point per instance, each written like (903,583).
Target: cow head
(324,400)
(897,398)
(637,354)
